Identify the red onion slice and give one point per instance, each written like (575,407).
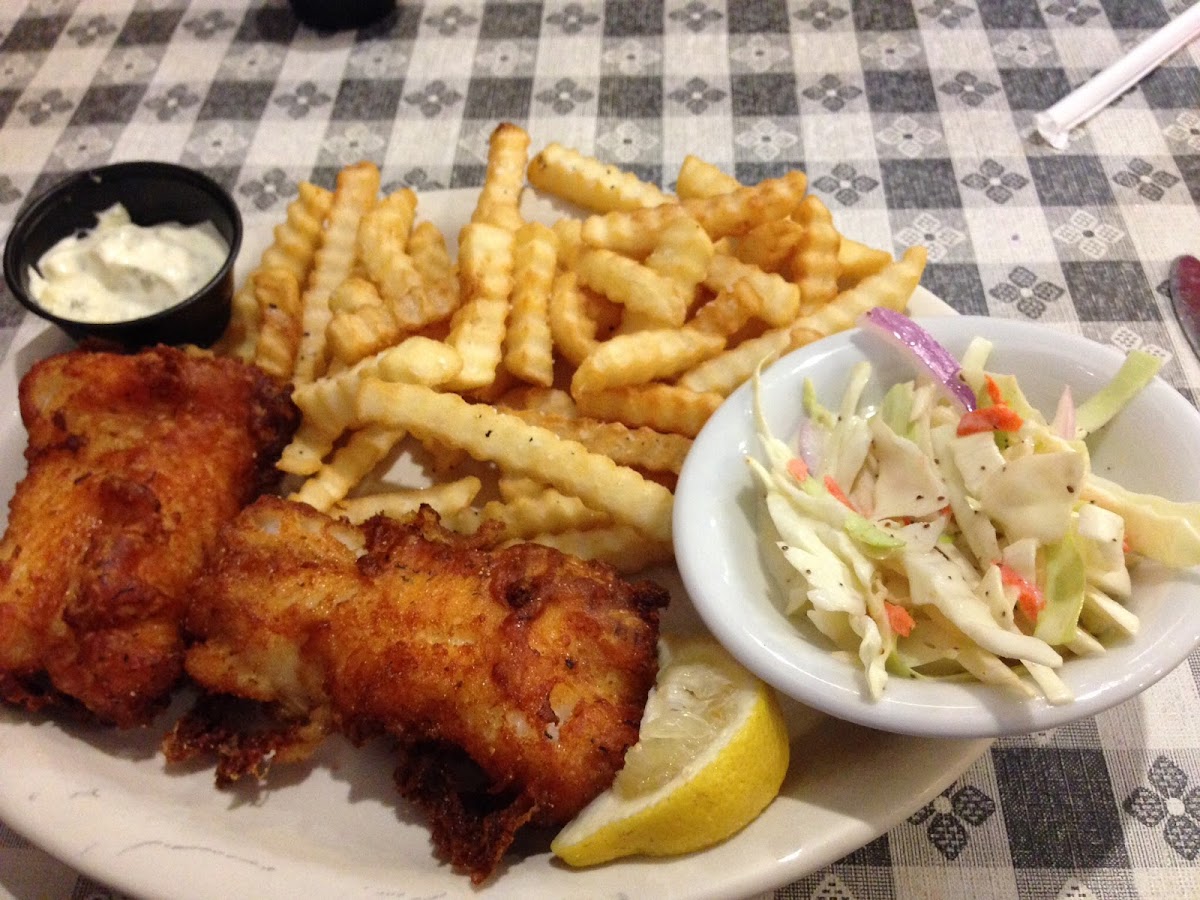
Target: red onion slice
(924,351)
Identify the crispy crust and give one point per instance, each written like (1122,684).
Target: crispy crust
(134,463)
(512,679)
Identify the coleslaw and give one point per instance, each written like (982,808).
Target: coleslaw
(953,531)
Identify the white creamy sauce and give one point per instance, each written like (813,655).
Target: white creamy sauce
(120,271)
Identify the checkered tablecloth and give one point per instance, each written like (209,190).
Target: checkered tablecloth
(913,120)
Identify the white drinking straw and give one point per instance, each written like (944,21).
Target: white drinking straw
(1089,98)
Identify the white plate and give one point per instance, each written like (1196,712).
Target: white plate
(1149,447)
(103,802)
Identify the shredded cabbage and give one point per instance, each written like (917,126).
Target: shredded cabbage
(1005,551)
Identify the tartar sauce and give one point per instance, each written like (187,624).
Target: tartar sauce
(120,271)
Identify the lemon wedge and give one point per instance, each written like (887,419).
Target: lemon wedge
(711,754)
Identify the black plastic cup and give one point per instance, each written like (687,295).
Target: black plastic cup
(152,192)
(338,15)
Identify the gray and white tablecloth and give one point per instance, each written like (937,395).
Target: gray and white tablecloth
(913,120)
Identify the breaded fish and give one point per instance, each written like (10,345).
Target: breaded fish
(134,461)
(513,679)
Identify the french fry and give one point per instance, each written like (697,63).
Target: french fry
(589,183)
(493,436)
(700,180)
(815,261)
(511,487)
(297,238)
(354,294)
(778,300)
(357,187)
(441,459)
(448,498)
(241,334)
(431,258)
(610,317)
(295,242)
(891,288)
(362,323)
(329,402)
(727,312)
(771,245)
(573,330)
(277,295)
(485,267)
(737,212)
(663,407)
(724,372)
(553,401)
(634,233)
(633,285)
(529,346)
(643,447)
(649,355)
(499,200)
(503,382)
(624,548)
(470,359)
(547,511)
(311,443)
(857,261)
(350,464)
(387,226)
(383,241)
(569,233)
(682,255)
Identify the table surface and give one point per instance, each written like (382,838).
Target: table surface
(913,121)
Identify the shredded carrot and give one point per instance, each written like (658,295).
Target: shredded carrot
(1030,598)
(798,468)
(899,618)
(993,390)
(837,493)
(990,418)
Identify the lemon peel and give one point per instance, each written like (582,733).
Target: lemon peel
(712,754)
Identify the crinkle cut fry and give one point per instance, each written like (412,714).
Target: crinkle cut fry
(488,434)
(357,187)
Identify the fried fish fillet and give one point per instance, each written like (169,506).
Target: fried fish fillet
(512,679)
(134,463)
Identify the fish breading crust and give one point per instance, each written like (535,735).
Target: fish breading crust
(134,462)
(513,679)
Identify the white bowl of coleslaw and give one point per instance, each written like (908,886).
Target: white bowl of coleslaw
(1149,447)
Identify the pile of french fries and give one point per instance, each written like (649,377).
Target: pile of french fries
(549,381)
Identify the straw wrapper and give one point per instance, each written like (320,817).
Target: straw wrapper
(1085,101)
